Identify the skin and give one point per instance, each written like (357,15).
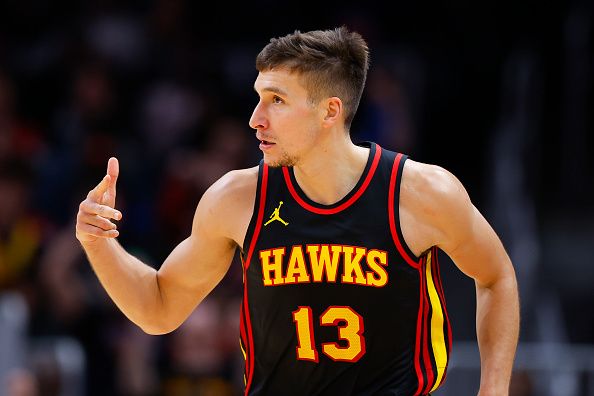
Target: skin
(435,210)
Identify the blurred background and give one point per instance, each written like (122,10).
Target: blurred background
(500,93)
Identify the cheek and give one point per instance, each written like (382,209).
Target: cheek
(306,123)
(297,129)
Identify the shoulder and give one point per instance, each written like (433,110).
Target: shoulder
(234,184)
(435,199)
(431,183)
(227,205)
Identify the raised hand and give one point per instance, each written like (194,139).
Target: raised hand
(95,213)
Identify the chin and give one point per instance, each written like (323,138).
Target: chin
(284,160)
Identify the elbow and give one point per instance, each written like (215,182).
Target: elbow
(157,327)
(504,278)
(504,287)
(155,330)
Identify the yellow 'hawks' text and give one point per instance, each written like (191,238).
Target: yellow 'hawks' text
(324,263)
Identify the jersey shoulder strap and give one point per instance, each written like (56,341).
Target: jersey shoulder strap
(255,224)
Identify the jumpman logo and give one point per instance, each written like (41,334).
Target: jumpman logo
(276,216)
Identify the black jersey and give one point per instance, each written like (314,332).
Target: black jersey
(334,301)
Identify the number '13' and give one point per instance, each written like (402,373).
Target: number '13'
(350,329)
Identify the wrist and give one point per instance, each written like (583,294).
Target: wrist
(96,245)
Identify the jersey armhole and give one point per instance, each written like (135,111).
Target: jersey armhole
(394,212)
(254,226)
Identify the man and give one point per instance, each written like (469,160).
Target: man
(342,293)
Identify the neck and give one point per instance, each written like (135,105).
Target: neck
(331,170)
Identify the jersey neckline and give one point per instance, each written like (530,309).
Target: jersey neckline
(348,199)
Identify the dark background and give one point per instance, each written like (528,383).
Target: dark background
(499,93)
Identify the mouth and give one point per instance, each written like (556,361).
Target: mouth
(265,144)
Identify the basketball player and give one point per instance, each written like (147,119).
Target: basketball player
(339,243)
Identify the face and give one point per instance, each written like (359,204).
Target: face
(286,123)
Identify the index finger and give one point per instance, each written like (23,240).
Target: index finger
(113,170)
(97,193)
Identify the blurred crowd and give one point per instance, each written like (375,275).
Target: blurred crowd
(144,82)
(55,138)
(127,82)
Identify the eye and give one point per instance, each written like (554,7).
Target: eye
(277,99)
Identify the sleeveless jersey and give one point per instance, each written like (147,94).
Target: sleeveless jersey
(335,302)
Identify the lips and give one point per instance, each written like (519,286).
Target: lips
(265,140)
(266,145)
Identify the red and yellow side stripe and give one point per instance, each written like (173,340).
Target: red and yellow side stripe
(434,335)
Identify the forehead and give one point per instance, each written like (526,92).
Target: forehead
(280,81)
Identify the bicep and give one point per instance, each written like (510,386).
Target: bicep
(197,264)
(460,230)
(475,248)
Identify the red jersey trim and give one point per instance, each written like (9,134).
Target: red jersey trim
(427,358)
(246,310)
(417,357)
(392,215)
(342,206)
(448,329)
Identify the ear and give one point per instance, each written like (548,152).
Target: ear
(333,111)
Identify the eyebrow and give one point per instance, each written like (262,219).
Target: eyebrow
(273,89)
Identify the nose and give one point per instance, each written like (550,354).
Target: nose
(258,120)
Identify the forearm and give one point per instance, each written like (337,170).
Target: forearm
(497,333)
(130,283)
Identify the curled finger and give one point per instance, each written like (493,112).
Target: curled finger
(88,229)
(96,220)
(92,207)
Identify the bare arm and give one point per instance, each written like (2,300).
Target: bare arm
(482,256)
(457,227)
(159,301)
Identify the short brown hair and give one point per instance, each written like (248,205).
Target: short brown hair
(332,62)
